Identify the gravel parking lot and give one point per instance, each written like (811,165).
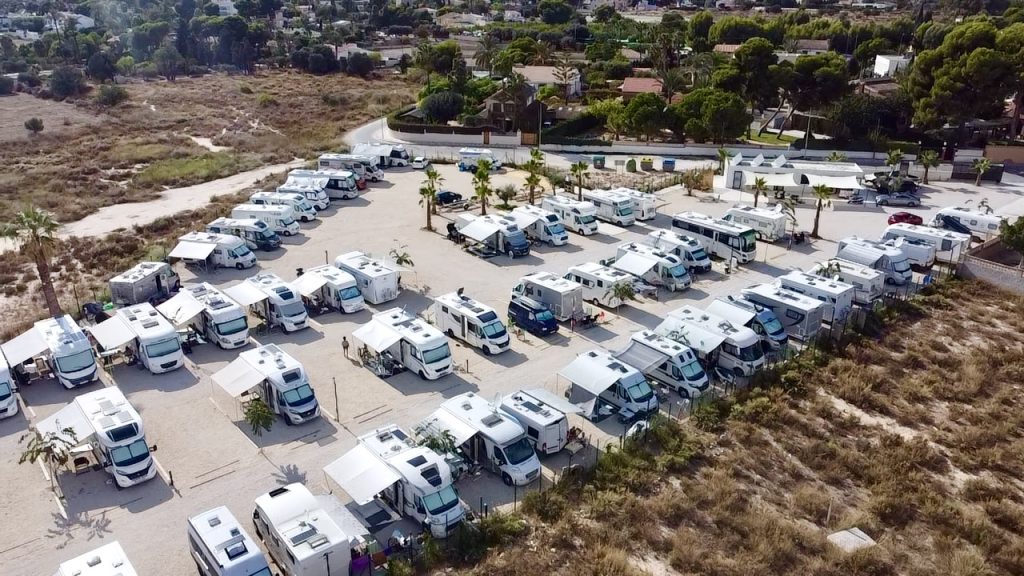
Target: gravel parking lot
(214,458)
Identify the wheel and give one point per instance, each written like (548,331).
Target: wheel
(889,281)
(506,479)
(238,266)
(759,236)
(287,421)
(510,255)
(737,372)
(912,205)
(486,350)
(422,375)
(450,333)
(683,393)
(883,203)
(580,231)
(550,242)
(307,219)
(287,233)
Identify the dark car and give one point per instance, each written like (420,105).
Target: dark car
(906,218)
(446,197)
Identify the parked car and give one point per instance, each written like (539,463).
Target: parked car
(906,218)
(897,199)
(895,185)
(420,163)
(446,197)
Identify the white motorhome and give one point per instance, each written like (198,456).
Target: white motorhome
(597,376)
(949,246)
(475,323)
(362,166)
(214,250)
(221,547)
(146,333)
(255,233)
(302,538)
(296,201)
(769,224)
(888,260)
(800,315)
(645,204)
(540,224)
(144,282)
(211,313)
(332,285)
(495,232)
(410,341)
(543,415)
(272,299)
(980,223)
(279,379)
(107,428)
(599,282)
(687,248)
(468,158)
(278,217)
(386,154)
(377,280)
(337,184)
(667,361)
(107,560)
(580,217)
(413,480)
(722,238)
(313,191)
(8,398)
(61,344)
(920,253)
(835,294)
(761,320)
(653,266)
(487,436)
(717,341)
(611,206)
(868,283)
(564,298)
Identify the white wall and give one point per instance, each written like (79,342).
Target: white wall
(457,139)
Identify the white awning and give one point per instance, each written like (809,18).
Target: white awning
(360,473)
(444,421)
(24,346)
(245,294)
(837,182)
(377,336)
(309,283)
(70,416)
(582,374)
(770,179)
(237,377)
(480,230)
(181,309)
(192,250)
(554,400)
(704,341)
(635,264)
(524,221)
(112,333)
(641,357)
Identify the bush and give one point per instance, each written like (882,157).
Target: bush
(66,82)
(359,64)
(245,89)
(265,99)
(711,415)
(441,107)
(148,71)
(126,65)
(29,79)
(111,95)
(34,125)
(6,86)
(549,506)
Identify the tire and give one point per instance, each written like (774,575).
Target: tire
(737,372)
(580,232)
(912,205)
(883,203)
(506,479)
(889,281)
(683,393)
(422,375)
(450,333)
(510,255)
(486,350)
(288,421)
(287,233)
(238,266)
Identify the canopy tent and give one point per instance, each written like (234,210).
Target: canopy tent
(377,336)
(582,374)
(181,309)
(639,356)
(700,339)
(635,264)
(24,346)
(554,400)
(836,182)
(362,474)
(192,250)
(245,294)
(770,180)
(480,230)
(308,284)
(112,333)
(237,377)
(70,416)
(444,421)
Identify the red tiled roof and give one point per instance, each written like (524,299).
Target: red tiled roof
(635,85)
(726,48)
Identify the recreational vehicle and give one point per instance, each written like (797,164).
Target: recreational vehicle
(278,217)
(949,246)
(362,166)
(469,157)
(475,323)
(888,260)
(732,347)
(540,224)
(279,379)
(800,315)
(145,282)
(61,345)
(645,205)
(272,299)
(580,217)
(107,560)
(214,250)
(653,266)
(543,415)
(147,334)
(918,252)
(769,224)
(256,234)
(667,361)
(599,282)
(979,223)
(220,319)
(8,398)
(313,191)
(532,316)
(868,283)
(331,285)
(597,376)
(742,312)
(386,154)
(301,207)
(338,184)
(721,238)
(496,233)
(412,342)
(687,248)
(221,547)
(564,298)
(377,280)
(611,206)
(835,294)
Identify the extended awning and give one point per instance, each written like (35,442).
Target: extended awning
(112,333)
(362,474)
(554,400)
(701,340)
(581,373)
(836,182)
(245,294)
(27,345)
(641,357)
(237,377)
(444,421)
(635,264)
(181,309)
(480,230)
(69,417)
(377,336)
(192,250)
(524,221)
(770,180)
(308,283)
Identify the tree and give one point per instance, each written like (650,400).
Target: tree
(542,54)
(723,157)
(36,229)
(126,65)
(168,62)
(760,186)
(894,158)
(506,194)
(980,167)
(605,13)
(1012,236)
(404,63)
(579,171)
(672,81)
(554,11)
(645,114)
(66,82)
(485,54)
(928,159)
(52,448)
(428,193)
(34,125)
(564,73)
(533,166)
(753,60)
(400,257)
(482,184)
(700,29)
(101,67)
(835,156)
(822,198)
(621,292)
(258,416)
(442,443)
(109,95)
(712,114)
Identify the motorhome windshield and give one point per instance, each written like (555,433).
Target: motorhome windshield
(771,324)
(441,501)
(698,254)
(163,347)
(348,293)
(493,330)
(231,326)
(131,454)
(901,266)
(555,229)
(677,271)
(436,354)
(751,353)
(286,221)
(516,238)
(519,451)
(298,396)
(5,391)
(240,252)
(691,371)
(292,309)
(639,391)
(586,219)
(305,206)
(75,362)
(744,242)
(623,210)
(267,235)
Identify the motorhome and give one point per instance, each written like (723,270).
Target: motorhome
(150,338)
(272,299)
(979,223)
(469,157)
(564,298)
(580,217)
(868,283)
(667,361)
(61,345)
(722,238)
(532,316)
(835,294)
(337,184)
(279,380)
(886,259)
(717,341)
(331,285)
(211,313)
(385,154)
(8,398)
(599,282)
(475,323)
(278,217)
(597,377)
(362,166)
(687,248)
(742,312)
(413,480)
(377,280)
(214,250)
(496,233)
(106,430)
(769,224)
(611,206)
(645,204)
(107,560)
(301,207)
(220,546)
(416,345)
(256,234)
(653,266)
(801,316)
(540,225)
(543,415)
(487,436)
(145,282)
(313,191)
(949,246)
(920,253)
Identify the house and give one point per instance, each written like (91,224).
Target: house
(726,49)
(889,64)
(226,7)
(878,87)
(808,46)
(540,76)
(633,56)
(513,16)
(457,20)
(502,109)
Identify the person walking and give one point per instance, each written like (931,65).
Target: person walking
(344,345)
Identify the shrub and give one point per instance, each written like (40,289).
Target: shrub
(111,95)
(29,79)
(148,71)
(244,89)
(711,415)
(66,82)
(34,125)
(126,65)
(6,86)
(265,99)
(359,64)
(441,107)
(549,506)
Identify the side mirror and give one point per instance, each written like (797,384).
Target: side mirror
(153,448)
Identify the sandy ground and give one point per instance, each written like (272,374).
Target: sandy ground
(57,117)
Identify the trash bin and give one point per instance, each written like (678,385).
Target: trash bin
(631,165)
(668,165)
(598,162)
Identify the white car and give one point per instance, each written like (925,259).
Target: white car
(420,163)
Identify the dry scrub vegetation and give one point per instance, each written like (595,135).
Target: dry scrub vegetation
(916,437)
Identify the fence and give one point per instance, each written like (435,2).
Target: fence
(975,265)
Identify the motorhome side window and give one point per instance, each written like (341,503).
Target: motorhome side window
(794,314)
(498,455)
(730,349)
(600,283)
(532,433)
(444,309)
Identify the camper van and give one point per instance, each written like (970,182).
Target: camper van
(214,250)
(386,154)
(303,210)
(337,184)
(147,334)
(645,205)
(801,316)
(888,260)
(667,361)
(743,312)
(487,436)
(979,223)
(412,342)
(211,313)
(468,158)
(868,283)
(475,323)
(598,377)
(496,233)
(653,266)
(532,316)
(271,299)
(278,217)
(919,253)
(279,379)
(564,298)
(540,225)
(108,430)
(732,347)
(611,206)
(388,465)
(107,560)
(362,166)
(221,547)
(599,282)
(61,344)
(145,282)
(721,238)
(687,248)
(256,234)
(949,246)
(836,294)
(331,285)
(543,415)
(313,192)
(580,217)
(8,398)
(769,224)
(377,280)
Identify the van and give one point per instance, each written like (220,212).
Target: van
(868,283)
(886,259)
(920,253)
(255,233)
(297,201)
(580,217)
(979,223)
(667,361)
(612,207)
(214,250)
(8,399)
(761,320)
(473,322)
(835,294)
(221,547)
(468,158)
(686,248)
(314,190)
(543,415)
(598,377)
(279,218)
(364,167)
(769,224)
(949,246)
(338,184)
(532,316)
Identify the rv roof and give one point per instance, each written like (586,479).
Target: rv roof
(609,195)
(713,222)
(532,409)
(714,324)
(674,238)
(931,232)
(828,285)
(225,537)
(411,327)
(779,293)
(552,282)
(210,238)
(666,345)
(600,271)
(269,208)
(419,465)
(335,276)
(139,271)
(646,250)
(211,297)
(482,416)
(571,203)
(145,321)
(365,264)
(761,212)
(878,247)
(272,285)
(62,334)
(108,408)
(107,560)
(269,359)
(239,223)
(307,529)
(464,303)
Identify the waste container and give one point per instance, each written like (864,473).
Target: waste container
(598,162)
(668,165)
(631,165)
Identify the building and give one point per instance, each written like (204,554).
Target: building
(791,176)
(633,56)
(513,16)
(877,87)
(540,76)
(226,7)
(726,49)
(889,64)
(808,46)
(502,109)
(633,86)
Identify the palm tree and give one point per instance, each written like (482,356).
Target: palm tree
(564,76)
(822,195)
(482,183)
(928,159)
(428,193)
(579,171)
(829,269)
(258,416)
(485,54)
(672,81)
(52,448)
(442,443)
(981,165)
(516,89)
(424,59)
(894,158)
(700,66)
(836,156)
(621,292)
(542,53)
(401,257)
(37,230)
(760,186)
(534,165)
(723,155)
